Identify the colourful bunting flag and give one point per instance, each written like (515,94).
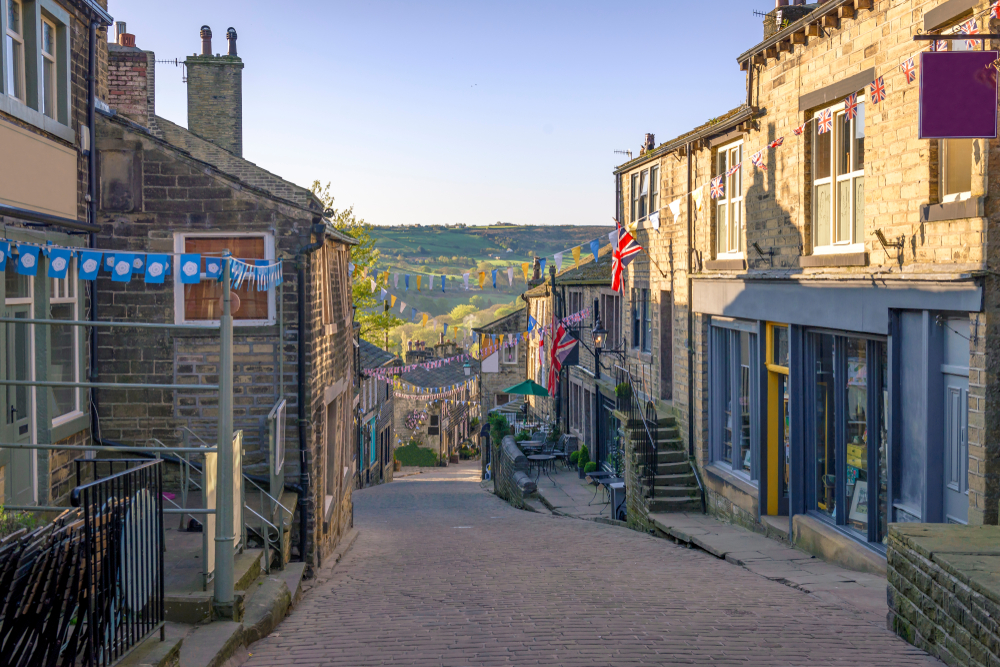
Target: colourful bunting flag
(558,258)
(876,91)
(123,268)
(524,269)
(910,69)
(27,260)
(59,259)
(156,268)
(90,264)
(510,269)
(190,269)
(576,250)
(595,246)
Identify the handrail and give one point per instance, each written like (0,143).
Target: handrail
(74,496)
(88,323)
(273,499)
(701,489)
(631,383)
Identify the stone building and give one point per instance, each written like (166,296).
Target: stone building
(165,189)
(586,399)
(377,440)
(504,367)
(46,177)
(435,401)
(819,328)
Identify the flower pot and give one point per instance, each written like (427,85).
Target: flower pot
(583,475)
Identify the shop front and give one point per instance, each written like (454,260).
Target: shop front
(856,428)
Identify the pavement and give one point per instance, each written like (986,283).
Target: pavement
(444,573)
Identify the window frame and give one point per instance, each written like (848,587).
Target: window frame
(16,38)
(944,146)
(643,204)
(732,200)
(69,298)
(509,355)
(47,90)
(724,339)
(835,178)
(179,245)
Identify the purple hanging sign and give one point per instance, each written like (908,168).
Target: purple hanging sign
(958,95)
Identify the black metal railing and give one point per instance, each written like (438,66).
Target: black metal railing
(122,555)
(640,429)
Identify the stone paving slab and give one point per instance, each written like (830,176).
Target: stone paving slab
(445,574)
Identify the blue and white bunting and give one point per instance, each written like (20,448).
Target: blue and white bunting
(189,268)
(59,259)
(27,260)
(156,268)
(122,273)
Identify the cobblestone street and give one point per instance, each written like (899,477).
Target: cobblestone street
(443,573)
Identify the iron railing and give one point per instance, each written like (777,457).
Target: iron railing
(122,555)
(637,425)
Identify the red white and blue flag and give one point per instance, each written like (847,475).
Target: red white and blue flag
(909,69)
(735,168)
(800,129)
(780,140)
(563,346)
(942,44)
(757,159)
(623,254)
(970,27)
(995,10)
(718,188)
(851,106)
(825,121)
(876,90)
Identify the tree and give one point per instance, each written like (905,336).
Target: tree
(460,312)
(370,315)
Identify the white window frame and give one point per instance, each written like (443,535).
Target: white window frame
(48,92)
(945,145)
(32,376)
(66,291)
(730,245)
(179,243)
(832,245)
(644,201)
(15,39)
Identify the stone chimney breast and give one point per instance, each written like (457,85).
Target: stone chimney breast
(215,94)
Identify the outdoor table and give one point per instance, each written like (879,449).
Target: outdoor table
(541,462)
(596,478)
(534,445)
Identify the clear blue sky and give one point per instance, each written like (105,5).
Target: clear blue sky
(461,110)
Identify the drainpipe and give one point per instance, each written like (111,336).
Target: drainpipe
(92,215)
(558,312)
(318,228)
(690,313)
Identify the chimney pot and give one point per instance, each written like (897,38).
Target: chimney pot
(650,141)
(780,3)
(120,30)
(206,40)
(231,36)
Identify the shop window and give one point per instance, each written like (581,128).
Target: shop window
(202,301)
(729,207)
(849,402)
(735,395)
(839,179)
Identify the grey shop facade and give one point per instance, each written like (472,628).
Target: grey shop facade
(844,400)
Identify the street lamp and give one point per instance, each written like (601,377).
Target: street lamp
(468,369)
(599,333)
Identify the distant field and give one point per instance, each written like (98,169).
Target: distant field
(456,250)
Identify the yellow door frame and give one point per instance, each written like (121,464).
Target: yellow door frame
(775,455)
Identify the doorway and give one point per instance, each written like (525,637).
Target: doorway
(18,411)
(778,442)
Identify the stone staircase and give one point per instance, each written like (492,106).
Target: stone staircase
(675,488)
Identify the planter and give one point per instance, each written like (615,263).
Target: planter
(583,475)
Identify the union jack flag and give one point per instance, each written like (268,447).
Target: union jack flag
(562,345)
(780,140)
(851,106)
(622,256)
(718,188)
(942,44)
(735,168)
(995,10)
(970,27)
(825,121)
(876,90)
(909,69)
(758,161)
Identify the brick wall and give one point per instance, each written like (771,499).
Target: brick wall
(62,470)
(127,83)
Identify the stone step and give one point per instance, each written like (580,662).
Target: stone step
(686,479)
(664,433)
(676,468)
(676,491)
(666,421)
(674,504)
(671,456)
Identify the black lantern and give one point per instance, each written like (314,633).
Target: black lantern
(599,333)
(468,368)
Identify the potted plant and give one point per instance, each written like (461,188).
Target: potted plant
(590,467)
(582,459)
(574,457)
(623,392)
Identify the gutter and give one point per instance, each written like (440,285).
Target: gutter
(319,229)
(95,418)
(48,218)
(690,310)
(812,17)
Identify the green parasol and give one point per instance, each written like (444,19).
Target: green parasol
(527,388)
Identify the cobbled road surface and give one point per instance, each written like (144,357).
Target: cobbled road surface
(443,573)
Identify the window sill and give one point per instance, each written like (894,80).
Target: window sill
(953,210)
(834,259)
(729,477)
(738,264)
(68,425)
(23,112)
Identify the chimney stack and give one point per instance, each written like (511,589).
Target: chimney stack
(215,94)
(131,77)
(206,40)
(441,338)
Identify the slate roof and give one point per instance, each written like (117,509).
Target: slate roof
(447,374)
(372,356)
(508,323)
(589,273)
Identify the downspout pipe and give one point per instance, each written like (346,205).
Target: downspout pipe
(690,309)
(301,259)
(95,424)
